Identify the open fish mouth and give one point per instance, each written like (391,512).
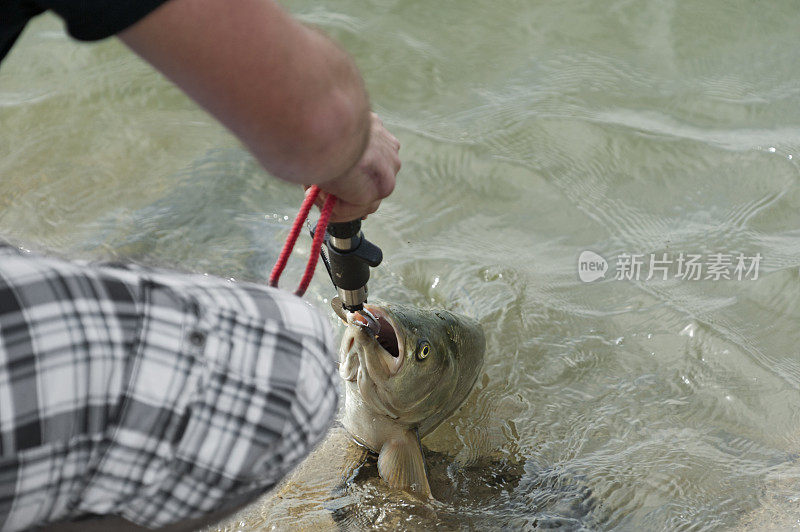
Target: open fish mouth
(386,335)
(377,338)
(371,354)
(390,343)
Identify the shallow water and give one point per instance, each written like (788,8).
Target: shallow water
(531,131)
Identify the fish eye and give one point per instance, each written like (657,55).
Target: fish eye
(423,351)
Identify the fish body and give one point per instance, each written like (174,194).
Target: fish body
(402,379)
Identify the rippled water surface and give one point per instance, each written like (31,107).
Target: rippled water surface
(531,131)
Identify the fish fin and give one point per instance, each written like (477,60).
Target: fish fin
(402,465)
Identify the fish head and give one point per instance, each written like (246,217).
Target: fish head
(416,367)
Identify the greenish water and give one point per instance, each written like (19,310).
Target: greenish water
(531,131)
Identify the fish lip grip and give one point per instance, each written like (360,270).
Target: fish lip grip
(349,257)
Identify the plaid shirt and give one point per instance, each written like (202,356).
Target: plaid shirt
(149,394)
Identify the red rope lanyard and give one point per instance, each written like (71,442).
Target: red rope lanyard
(319,236)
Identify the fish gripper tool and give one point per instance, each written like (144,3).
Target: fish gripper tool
(348,256)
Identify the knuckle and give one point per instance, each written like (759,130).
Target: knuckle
(386,187)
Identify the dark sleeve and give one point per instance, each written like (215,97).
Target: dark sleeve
(90,20)
(14,15)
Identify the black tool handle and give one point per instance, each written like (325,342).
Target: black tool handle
(344,229)
(350,267)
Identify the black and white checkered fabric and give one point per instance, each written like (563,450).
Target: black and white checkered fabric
(148,394)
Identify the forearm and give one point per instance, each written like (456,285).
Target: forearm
(289,93)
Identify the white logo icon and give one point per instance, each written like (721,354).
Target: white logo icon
(591,266)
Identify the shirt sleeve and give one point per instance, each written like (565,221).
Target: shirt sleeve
(91,20)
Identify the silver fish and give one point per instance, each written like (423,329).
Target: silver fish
(404,377)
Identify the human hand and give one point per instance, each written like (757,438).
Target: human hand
(361,189)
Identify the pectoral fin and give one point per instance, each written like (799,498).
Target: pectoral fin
(402,466)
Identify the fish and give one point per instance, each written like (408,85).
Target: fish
(406,370)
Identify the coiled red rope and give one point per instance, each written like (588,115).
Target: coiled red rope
(316,245)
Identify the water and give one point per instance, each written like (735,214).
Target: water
(531,131)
